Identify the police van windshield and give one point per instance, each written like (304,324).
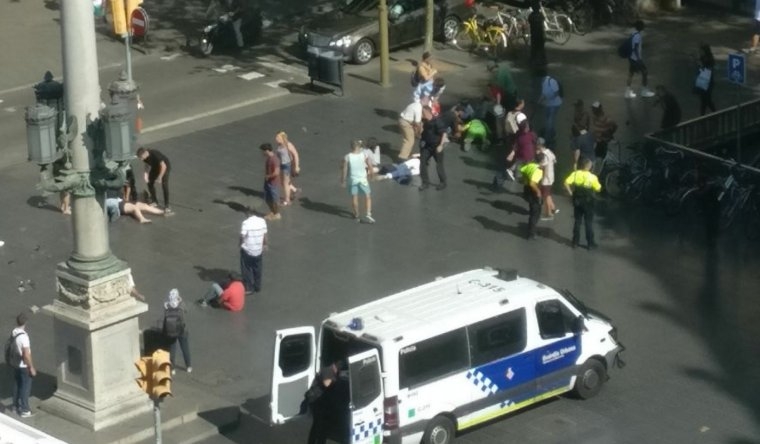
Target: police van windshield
(338,346)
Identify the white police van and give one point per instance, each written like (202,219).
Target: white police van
(440,358)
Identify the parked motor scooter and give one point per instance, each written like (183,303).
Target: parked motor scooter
(221,35)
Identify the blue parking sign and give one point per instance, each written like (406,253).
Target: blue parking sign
(737,68)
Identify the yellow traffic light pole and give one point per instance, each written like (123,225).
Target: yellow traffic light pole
(121,14)
(156,380)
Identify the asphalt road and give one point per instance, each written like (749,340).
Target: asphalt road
(686,315)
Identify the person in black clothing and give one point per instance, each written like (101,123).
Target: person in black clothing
(432,139)
(157,169)
(706,70)
(537,36)
(328,400)
(671,115)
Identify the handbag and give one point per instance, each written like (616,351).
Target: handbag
(703,79)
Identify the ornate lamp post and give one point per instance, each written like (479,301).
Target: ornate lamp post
(94,316)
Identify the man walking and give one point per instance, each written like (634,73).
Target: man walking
(253,241)
(551,100)
(157,169)
(410,125)
(20,359)
(581,184)
(271,174)
(756,30)
(531,174)
(636,64)
(356,172)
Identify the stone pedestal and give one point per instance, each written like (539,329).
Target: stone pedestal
(96,346)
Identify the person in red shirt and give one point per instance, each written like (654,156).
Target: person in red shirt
(230,296)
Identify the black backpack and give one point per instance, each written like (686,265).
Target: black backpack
(626,47)
(174,323)
(12,356)
(415,80)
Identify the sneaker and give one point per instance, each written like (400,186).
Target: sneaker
(511,175)
(646,92)
(284,203)
(189,369)
(556,211)
(629,94)
(203,303)
(25,414)
(369,219)
(547,218)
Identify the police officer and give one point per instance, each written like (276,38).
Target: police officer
(582,184)
(531,174)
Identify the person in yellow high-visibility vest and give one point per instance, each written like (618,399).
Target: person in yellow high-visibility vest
(582,185)
(531,174)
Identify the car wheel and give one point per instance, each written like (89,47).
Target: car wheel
(364,50)
(589,380)
(450,28)
(440,430)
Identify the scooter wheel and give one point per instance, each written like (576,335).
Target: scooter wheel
(206,47)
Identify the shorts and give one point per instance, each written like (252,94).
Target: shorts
(362,187)
(546,190)
(756,27)
(635,66)
(285,168)
(270,192)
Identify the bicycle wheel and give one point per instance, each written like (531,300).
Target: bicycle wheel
(613,184)
(465,39)
(583,19)
(499,45)
(561,34)
(751,217)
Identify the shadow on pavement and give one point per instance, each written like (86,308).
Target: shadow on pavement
(247,191)
(236,206)
(490,224)
(42,203)
(505,205)
(43,386)
(211,274)
(326,208)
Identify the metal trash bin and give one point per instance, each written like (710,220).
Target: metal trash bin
(326,66)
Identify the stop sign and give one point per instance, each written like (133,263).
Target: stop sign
(139,22)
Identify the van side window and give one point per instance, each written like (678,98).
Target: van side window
(498,337)
(433,358)
(295,354)
(365,382)
(554,319)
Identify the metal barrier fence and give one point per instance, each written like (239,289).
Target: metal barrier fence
(696,136)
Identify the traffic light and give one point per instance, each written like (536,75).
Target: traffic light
(145,366)
(161,375)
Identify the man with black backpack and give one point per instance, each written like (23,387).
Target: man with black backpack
(631,49)
(551,100)
(18,356)
(175,329)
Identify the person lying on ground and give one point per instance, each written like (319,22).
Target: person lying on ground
(115,207)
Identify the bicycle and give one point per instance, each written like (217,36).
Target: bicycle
(477,32)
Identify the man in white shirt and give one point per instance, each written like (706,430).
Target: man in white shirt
(23,368)
(551,100)
(253,241)
(410,125)
(636,64)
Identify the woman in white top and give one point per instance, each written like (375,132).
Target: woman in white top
(290,165)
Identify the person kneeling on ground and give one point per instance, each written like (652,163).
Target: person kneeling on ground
(475,131)
(115,207)
(230,295)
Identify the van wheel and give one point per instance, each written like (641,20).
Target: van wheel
(440,430)
(590,378)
